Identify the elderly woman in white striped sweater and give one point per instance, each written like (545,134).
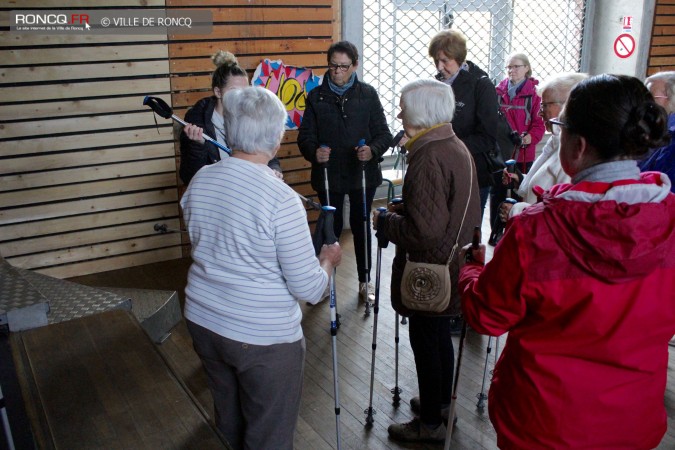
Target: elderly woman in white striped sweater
(546,170)
(253,262)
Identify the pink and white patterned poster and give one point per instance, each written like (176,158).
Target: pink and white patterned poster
(290,83)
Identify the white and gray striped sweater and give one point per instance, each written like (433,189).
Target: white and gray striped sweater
(252,252)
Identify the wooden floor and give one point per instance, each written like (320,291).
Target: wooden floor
(316,425)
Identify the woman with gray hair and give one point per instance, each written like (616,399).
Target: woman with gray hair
(440,208)
(253,262)
(546,170)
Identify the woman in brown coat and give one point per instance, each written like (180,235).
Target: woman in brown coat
(440,185)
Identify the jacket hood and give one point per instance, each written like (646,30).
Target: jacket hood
(475,70)
(613,231)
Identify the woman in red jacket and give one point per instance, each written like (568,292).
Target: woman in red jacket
(583,282)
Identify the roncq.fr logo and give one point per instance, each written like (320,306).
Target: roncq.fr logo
(52,19)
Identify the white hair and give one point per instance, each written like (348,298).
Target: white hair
(562,84)
(668,77)
(255,120)
(427,103)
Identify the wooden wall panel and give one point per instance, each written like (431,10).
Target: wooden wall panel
(662,48)
(296,32)
(85,169)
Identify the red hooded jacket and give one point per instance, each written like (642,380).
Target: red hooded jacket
(584,283)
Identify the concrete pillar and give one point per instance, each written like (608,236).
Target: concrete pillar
(352,27)
(607,21)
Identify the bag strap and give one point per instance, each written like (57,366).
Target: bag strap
(466,207)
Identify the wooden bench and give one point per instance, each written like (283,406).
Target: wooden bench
(99,382)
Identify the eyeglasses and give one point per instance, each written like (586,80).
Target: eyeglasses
(556,125)
(544,105)
(340,67)
(517,66)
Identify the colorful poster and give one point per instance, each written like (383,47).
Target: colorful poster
(290,83)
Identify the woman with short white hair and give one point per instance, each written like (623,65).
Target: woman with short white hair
(441,205)
(546,170)
(253,262)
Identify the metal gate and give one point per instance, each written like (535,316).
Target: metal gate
(396,34)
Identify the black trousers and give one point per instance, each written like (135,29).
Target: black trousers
(434,360)
(356,220)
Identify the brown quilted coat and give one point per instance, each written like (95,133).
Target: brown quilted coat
(435,192)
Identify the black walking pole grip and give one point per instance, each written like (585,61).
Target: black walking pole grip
(475,243)
(382,241)
(324,232)
(159,106)
(328,230)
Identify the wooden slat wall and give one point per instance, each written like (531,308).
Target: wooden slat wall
(84,171)
(296,31)
(662,48)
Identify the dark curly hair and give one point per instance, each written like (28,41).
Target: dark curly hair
(617,115)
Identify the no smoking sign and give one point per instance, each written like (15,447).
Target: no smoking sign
(624,45)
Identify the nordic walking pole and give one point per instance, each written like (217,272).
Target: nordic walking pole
(404,319)
(160,107)
(5,422)
(382,242)
(325,234)
(325,178)
(396,390)
(475,243)
(327,188)
(361,143)
(482,396)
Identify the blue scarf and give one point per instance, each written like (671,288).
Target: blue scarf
(513,89)
(340,90)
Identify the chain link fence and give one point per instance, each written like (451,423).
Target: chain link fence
(397,33)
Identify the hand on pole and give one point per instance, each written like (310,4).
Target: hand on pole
(478,255)
(330,257)
(364,153)
(323,154)
(194,133)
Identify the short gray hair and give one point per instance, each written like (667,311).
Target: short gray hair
(668,77)
(255,120)
(562,84)
(427,103)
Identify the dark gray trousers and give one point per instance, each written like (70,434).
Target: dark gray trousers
(256,388)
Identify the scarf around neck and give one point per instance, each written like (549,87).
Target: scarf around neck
(340,90)
(513,89)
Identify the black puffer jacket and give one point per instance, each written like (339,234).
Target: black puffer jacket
(437,186)
(475,121)
(193,155)
(340,122)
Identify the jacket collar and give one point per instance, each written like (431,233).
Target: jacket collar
(437,133)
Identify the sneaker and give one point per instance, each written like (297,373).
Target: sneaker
(416,431)
(362,292)
(445,411)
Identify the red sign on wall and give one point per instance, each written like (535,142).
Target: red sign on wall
(624,45)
